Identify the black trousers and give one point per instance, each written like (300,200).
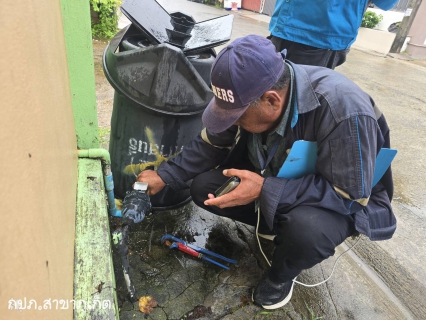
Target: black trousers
(305,235)
(304,54)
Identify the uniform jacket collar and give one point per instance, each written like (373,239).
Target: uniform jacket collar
(305,94)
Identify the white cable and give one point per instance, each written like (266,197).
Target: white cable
(334,266)
(294,280)
(257,236)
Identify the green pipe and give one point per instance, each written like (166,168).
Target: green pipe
(95,154)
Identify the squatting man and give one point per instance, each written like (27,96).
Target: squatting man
(262,105)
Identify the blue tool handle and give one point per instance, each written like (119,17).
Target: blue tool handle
(175,245)
(198,249)
(214,262)
(205,251)
(170,237)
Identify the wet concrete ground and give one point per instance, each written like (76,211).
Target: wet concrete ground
(377,280)
(181,283)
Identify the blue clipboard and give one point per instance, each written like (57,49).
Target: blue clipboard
(383,161)
(303,156)
(300,161)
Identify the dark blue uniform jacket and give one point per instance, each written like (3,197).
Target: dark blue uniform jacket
(349,131)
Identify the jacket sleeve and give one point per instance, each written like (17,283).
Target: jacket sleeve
(343,182)
(202,154)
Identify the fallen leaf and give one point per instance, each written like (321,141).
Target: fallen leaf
(147,304)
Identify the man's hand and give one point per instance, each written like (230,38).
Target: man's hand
(247,191)
(155,183)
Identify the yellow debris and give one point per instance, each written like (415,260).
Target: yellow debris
(147,304)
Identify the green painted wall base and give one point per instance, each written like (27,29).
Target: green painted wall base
(93,259)
(78,40)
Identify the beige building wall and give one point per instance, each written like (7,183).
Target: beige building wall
(416,47)
(38,161)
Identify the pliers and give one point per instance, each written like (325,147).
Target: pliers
(196,251)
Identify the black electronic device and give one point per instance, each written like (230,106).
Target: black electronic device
(228,186)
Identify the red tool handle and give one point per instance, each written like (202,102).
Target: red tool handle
(188,250)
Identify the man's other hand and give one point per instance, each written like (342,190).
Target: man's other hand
(155,183)
(247,191)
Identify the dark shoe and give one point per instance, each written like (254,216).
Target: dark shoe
(272,295)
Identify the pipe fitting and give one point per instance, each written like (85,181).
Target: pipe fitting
(95,154)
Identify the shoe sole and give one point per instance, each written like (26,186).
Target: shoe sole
(279,304)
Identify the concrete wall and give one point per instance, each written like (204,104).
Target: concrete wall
(376,40)
(416,47)
(38,161)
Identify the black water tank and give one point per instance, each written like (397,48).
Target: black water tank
(160,95)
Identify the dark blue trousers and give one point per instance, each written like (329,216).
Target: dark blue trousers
(305,235)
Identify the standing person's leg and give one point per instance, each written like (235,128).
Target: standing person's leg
(305,237)
(303,54)
(337,58)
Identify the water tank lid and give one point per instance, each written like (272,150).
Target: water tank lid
(160,27)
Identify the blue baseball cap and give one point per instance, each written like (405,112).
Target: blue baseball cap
(241,73)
